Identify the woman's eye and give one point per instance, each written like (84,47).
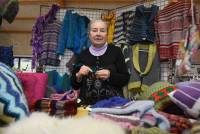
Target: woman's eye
(94,30)
(102,30)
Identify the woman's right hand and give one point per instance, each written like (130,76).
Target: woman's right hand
(84,70)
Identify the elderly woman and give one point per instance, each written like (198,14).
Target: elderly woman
(100,71)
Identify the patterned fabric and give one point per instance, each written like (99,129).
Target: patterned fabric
(122,28)
(171,25)
(69,95)
(56,107)
(93,89)
(13,103)
(187,97)
(37,32)
(159,93)
(178,123)
(48,55)
(97,89)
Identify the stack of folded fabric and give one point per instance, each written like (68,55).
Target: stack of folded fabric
(178,123)
(60,105)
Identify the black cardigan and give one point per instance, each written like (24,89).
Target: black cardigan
(112,60)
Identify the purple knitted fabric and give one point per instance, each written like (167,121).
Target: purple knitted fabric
(37,32)
(187,97)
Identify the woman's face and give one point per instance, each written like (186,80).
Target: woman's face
(98,33)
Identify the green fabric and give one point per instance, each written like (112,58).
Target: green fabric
(151,54)
(146,94)
(154,88)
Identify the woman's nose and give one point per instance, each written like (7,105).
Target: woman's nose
(98,32)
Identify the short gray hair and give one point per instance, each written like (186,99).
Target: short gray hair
(94,21)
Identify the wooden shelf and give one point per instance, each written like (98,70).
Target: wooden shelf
(25,18)
(63,2)
(39,2)
(16,31)
(102,1)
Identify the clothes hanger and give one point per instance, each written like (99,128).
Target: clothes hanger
(147,3)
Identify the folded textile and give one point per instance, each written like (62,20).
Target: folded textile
(68,95)
(68,107)
(142,108)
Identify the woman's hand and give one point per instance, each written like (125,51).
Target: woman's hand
(84,70)
(103,74)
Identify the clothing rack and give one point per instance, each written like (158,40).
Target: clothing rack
(95,13)
(160,3)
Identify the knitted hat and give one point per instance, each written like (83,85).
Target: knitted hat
(159,93)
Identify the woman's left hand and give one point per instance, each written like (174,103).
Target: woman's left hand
(103,74)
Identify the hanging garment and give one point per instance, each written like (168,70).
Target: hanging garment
(6,55)
(142,29)
(192,42)
(48,55)
(111,19)
(145,67)
(122,28)
(37,32)
(8,10)
(73,35)
(121,34)
(171,25)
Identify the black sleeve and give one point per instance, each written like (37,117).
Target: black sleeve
(120,77)
(76,68)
